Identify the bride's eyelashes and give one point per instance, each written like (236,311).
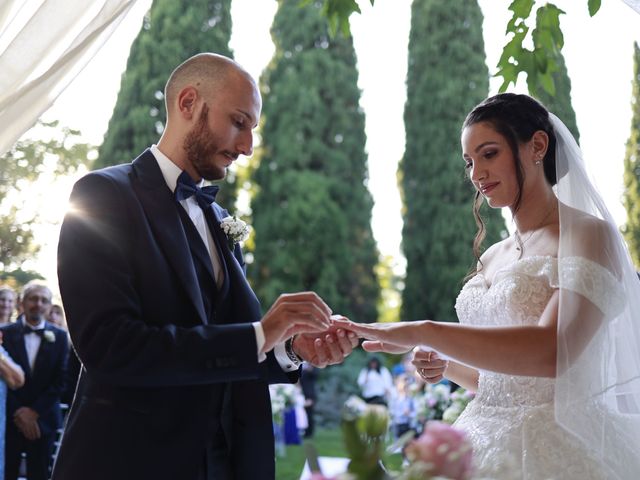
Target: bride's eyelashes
(487,155)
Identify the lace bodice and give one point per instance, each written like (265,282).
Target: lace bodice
(511,421)
(518,296)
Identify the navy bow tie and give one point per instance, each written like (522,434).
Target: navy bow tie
(186,187)
(28,329)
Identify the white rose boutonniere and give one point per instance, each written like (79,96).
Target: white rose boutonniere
(49,336)
(235,229)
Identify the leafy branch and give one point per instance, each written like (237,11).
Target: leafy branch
(538,63)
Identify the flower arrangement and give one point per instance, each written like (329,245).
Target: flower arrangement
(432,402)
(441,451)
(236,230)
(364,427)
(282,397)
(459,401)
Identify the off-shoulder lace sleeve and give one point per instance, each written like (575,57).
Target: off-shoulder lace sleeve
(594,282)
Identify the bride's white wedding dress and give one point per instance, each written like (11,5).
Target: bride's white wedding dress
(510,423)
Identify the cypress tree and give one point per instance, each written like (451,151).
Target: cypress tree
(632,167)
(560,103)
(447,76)
(172,31)
(312,209)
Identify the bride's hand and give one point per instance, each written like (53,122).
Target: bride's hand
(397,337)
(429,366)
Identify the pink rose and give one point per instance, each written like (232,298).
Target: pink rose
(444,449)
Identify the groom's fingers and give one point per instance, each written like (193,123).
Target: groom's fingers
(335,349)
(321,354)
(306,298)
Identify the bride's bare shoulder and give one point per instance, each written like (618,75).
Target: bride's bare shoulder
(589,236)
(587,226)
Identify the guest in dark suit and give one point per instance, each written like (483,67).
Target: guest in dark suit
(177,355)
(33,411)
(308,380)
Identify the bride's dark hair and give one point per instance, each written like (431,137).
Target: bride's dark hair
(515,117)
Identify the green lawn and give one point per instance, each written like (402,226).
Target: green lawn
(328,443)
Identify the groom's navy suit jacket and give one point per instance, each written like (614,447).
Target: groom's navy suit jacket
(158,369)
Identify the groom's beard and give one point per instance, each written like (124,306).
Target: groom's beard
(34,319)
(201,145)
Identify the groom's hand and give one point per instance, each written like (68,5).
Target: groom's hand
(327,348)
(294,313)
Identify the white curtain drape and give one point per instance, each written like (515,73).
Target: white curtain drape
(44,44)
(635,4)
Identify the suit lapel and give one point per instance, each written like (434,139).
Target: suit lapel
(17,346)
(163,217)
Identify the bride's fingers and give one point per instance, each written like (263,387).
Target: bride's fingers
(372,346)
(380,346)
(424,355)
(433,364)
(342,322)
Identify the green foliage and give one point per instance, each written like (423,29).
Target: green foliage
(328,443)
(52,149)
(335,384)
(389,303)
(538,64)
(17,278)
(594,6)
(447,77)
(312,209)
(173,31)
(631,194)
(560,102)
(363,432)
(337,13)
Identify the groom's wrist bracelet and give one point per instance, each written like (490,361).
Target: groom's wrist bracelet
(293,356)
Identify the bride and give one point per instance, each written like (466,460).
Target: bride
(548,335)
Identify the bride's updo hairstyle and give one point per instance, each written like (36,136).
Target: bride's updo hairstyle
(515,117)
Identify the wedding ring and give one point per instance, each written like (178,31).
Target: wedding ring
(429,357)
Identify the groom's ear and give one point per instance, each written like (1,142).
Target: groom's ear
(186,102)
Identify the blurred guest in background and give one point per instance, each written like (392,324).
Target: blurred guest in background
(308,384)
(56,316)
(7,304)
(375,382)
(11,376)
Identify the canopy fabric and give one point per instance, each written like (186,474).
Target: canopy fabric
(44,44)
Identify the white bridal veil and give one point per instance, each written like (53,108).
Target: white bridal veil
(598,365)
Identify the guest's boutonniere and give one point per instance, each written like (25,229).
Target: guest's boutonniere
(49,336)
(235,229)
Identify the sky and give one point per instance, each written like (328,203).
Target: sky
(598,53)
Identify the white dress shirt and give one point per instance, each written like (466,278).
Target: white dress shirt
(32,342)
(171,172)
